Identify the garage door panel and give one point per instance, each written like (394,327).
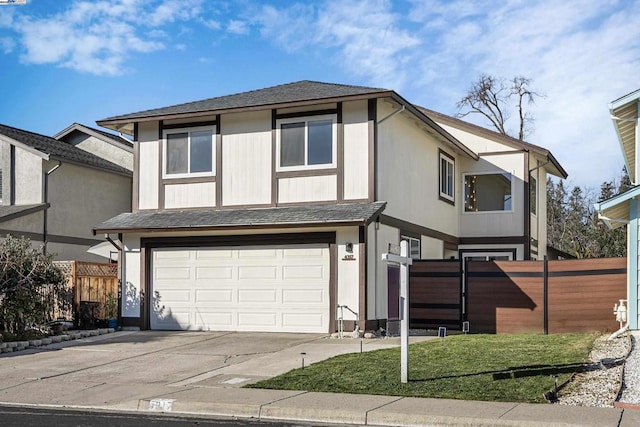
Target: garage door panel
(282,288)
(299,296)
(314,320)
(162,273)
(218,320)
(173,295)
(261,296)
(295,272)
(213,253)
(257,320)
(221,296)
(258,253)
(214,273)
(258,272)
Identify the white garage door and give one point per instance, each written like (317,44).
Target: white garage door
(281,288)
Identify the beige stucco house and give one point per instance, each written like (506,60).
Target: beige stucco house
(269,210)
(54,193)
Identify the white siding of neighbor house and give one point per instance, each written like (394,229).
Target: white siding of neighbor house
(307,189)
(246,158)
(118,155)
(356,150)
(408,173)
(28,176)
(148,171)
(496,223)
(193,195)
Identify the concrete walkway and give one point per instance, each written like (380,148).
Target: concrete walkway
(202,374)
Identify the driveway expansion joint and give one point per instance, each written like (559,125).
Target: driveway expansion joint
(366,414)
(276,401)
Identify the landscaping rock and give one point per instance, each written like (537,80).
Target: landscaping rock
(7,350)
(3,345)
(56,338)
(94,333)
(65,337)
(46,341)
(12,344)
(35,343)
(369,335)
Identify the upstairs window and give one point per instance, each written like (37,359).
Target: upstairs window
(447,177)
(487,192)
(307,143)
(189,153)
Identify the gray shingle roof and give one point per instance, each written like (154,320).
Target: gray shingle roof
(356,213)
(291,92)
(59,150)
(116,138)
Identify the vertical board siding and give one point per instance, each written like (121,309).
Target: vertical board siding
(508,296)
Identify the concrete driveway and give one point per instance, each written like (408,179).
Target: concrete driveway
(200,359)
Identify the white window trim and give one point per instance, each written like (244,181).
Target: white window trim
(409,240)
(306,120)
(188,130)
(452,162)
(464,195)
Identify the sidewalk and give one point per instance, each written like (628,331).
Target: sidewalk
(43,382)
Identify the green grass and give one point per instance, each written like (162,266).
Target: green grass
(508,368)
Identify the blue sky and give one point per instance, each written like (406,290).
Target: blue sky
(68,61)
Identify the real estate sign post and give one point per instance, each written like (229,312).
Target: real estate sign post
(405,261)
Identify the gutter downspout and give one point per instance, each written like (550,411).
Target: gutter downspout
(45,228)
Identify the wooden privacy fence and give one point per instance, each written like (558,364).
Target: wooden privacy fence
(91,282)
(518,296)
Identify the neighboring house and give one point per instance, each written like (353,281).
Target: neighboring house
(114,148)
(623,209)
(269,210)
(54,193)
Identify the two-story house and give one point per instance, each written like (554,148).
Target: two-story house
(624,209)
(269,210)
(54,193)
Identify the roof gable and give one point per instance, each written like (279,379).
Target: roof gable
(97,133)
(498,137)
(57,150)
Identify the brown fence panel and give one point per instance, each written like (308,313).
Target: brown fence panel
(91,282)
(505,296)
(435,294)
(582,294)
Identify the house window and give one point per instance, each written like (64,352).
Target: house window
(414,246)
(447,174)
(307,143)
(189,153)
(533,195)
(487,192)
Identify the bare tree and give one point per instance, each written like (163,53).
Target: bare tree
(493,97)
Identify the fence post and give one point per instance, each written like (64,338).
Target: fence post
(546,295)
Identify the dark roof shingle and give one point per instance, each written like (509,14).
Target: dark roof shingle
(356,213)
(59,150)
(287,93)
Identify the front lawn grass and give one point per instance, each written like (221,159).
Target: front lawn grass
(507,368)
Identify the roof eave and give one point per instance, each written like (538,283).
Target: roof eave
(125,123)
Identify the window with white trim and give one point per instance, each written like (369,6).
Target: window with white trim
(307,143)
(189,152)
(414,246)
(447,177)
(488,192)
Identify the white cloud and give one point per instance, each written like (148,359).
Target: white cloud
(365,36)
(7,44)
(238,27)
(98,37)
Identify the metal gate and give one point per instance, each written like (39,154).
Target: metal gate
(435,294)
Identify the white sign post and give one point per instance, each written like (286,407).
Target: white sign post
(405,261)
